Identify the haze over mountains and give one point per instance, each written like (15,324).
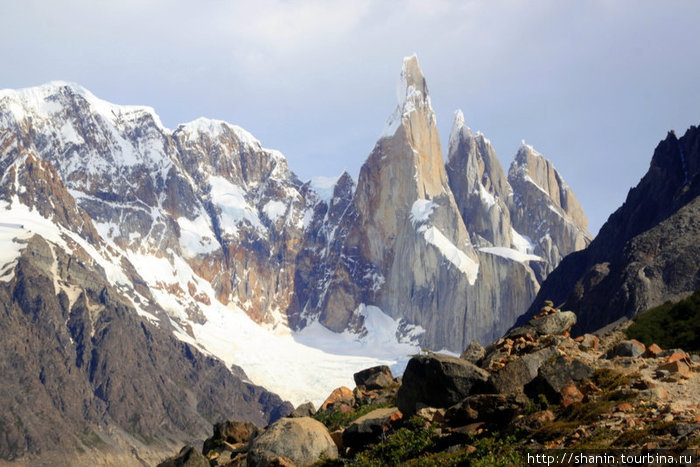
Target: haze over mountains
(156,271)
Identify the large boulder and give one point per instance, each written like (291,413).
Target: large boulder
(554,323)
(370,427)
(377,377)
(438,380)
(187,457)
(628,348)
(301,440)
(555,374)
(339,396)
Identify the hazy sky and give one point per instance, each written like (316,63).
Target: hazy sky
(593,85)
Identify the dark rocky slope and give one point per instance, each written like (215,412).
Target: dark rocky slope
(647,252)
(85,378)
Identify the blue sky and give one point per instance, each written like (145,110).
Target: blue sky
(593,85)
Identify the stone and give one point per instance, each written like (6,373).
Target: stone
(301,440)
(536,359)
(339,396)
(474,352)
(306,409)
(628,348)
(677,356)
(676,367)
(511,378)
(555,374)
(377,377)
(570,395)
(187,457)
(231,432)
(555,323)
(589,342)
(431,414)
(652,351)
(370,427)
(438,380)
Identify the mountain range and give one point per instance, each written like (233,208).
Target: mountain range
(149,274)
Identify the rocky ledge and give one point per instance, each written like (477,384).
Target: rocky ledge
(535,389)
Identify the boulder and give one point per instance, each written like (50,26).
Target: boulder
(302,440)
(473,353)
(555,323)
(676,367)
(377,377)
(588,342)
(187,457)
(370,427)
(652,351)
(536,359)
(511,378)
(306,409)
(555,374)
(628,348)
(339,396)
(438,380)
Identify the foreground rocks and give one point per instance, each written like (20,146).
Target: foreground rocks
(525,391)
(438,380)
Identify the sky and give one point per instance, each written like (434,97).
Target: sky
(593,85)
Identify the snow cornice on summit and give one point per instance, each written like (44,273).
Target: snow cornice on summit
(411,93)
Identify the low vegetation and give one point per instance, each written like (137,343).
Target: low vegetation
(670,325)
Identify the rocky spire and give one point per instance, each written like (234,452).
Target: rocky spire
(545,209)
(479,185)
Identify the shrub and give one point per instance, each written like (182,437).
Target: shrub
(670,325)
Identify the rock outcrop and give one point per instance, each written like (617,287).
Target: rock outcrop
(576,397)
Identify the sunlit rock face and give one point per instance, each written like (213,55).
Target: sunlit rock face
(432,244)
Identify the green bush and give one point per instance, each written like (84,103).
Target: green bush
(335,419)
(670,325)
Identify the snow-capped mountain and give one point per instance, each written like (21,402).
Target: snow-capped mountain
(452,251)
(205,238)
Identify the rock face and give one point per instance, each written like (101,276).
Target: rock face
(433,245)
(545,209)
(647,252)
